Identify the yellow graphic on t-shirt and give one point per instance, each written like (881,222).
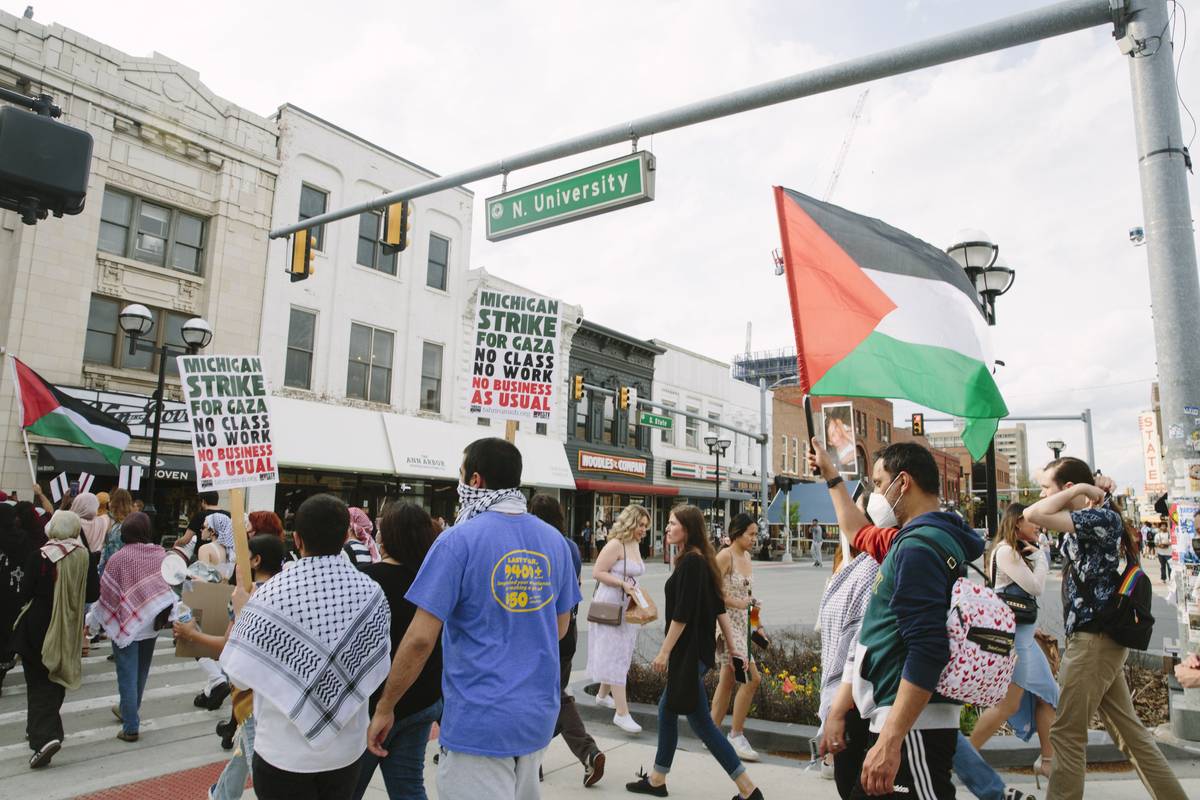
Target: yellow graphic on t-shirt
(521,581)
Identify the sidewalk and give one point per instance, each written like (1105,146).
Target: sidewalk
(695,775)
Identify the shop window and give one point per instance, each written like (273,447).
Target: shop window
(431,377)
(370,250)
(142,230)
(107,344)
(313,203)
(297,372)
(369,373)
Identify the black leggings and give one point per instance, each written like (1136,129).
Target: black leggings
(272,783)
(847,765)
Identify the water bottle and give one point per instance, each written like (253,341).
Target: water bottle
(181,613)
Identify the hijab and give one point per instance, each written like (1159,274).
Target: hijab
(95,528)
(361,529)
(63,646)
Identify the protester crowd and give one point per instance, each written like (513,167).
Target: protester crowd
(362,637)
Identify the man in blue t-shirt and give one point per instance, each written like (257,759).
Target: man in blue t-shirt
(498,587)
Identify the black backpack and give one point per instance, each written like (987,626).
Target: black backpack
(1126,617)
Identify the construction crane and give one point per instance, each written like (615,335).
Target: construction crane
(836,173)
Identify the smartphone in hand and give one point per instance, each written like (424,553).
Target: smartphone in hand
(739,670)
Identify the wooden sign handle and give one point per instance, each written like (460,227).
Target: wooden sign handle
(510,431)
(241,544)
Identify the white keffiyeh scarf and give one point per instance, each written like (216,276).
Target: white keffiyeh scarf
(474,502)
(314,641)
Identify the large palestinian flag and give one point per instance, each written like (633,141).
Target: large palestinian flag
(44,410)
(879,313)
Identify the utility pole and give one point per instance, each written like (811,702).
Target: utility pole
(1163,167)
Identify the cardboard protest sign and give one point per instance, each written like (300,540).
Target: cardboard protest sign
(230,426)
(514,371)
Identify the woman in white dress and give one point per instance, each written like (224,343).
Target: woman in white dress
(610,647)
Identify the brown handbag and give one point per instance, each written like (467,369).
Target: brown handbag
(605,613)
(1049,645)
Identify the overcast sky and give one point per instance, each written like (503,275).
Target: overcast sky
(1035,146)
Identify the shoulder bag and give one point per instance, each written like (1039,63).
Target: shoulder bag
(605,613)
(1024,605)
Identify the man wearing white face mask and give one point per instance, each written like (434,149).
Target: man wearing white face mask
(902,646)
(498,587)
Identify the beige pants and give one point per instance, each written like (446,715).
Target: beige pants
(1092,679)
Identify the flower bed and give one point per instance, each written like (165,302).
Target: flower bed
(791,680)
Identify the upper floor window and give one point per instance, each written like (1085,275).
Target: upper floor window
(431,377)
(313,203)
(668,434)
(107,344)
(369,374)
(691,429)
(143,230)
(439,262)
(297,371)
(370,250)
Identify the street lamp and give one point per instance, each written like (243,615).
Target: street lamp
(137,321)
(717,447)
(1056,446)
(979,257)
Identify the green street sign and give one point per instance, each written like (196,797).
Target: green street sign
(655,421)
(605,187)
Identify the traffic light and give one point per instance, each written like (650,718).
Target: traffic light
(301,265)
(918,424)
(44,165)
(623,398)
(577,388)
(397,222)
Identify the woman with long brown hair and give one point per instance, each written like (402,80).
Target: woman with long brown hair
(1092,675)
(694,609)
(120,506)
(1017,564)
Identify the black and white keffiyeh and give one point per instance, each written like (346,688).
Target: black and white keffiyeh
(314,641)
(841,613)
(474,502)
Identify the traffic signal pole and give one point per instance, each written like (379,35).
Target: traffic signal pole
(1012,31)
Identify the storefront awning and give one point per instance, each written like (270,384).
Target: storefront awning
(430,448)
(812,500)
(323,436)
(619,487)
(56,458)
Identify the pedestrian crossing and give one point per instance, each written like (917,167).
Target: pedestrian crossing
(175,735)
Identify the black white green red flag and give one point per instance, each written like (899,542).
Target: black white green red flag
(880,313)
(44,410)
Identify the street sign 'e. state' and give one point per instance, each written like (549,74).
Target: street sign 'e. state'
(605,187)
(655,421)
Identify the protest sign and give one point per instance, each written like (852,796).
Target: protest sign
(230,426)
(514,368)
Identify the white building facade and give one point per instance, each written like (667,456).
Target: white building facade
(697,384)
(178,207)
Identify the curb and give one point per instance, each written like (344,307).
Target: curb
(787,737)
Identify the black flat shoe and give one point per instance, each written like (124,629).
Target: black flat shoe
(755,795)
(42,757)
(643,786)
(217,696)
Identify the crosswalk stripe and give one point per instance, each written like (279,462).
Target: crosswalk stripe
(21,749)
(92,703)
(103,658)
(111,677)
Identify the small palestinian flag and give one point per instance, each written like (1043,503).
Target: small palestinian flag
(44,410)
(880,313)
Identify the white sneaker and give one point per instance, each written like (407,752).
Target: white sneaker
(607,702)
(742,747)
(626,724)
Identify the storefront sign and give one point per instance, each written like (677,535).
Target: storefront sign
(514,372)
(625,181)
(685,470)
(599,462)
(1151,452)
(230,423)
(134,411)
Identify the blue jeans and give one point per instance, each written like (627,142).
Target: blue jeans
(403,767)
(702,725)
(133,667)
(975,773)
(232,782)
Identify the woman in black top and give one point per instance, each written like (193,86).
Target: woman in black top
(694,608)
(406,534)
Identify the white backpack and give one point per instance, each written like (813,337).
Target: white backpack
(982,634)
